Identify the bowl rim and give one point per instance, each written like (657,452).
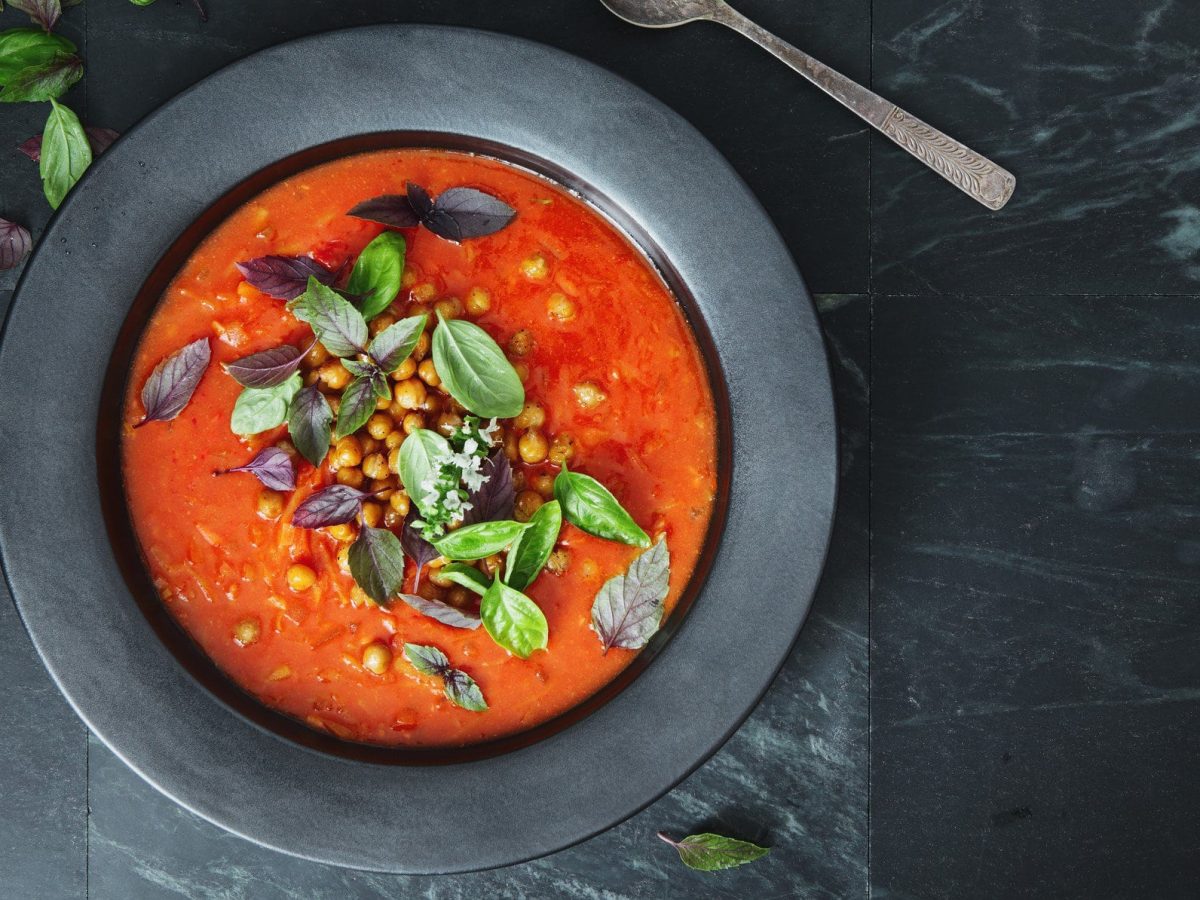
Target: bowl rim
(131,690)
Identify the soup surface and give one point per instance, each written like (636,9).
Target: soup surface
(614,382)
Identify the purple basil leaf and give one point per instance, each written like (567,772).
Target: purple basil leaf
(273,467)
(310,423)
(100,139)
(357,406)
(416,548)
(377,563)
(173,381)
(393,210)
(269,368)
(443,612)
(45,81)
(419,200)
(334,505)
(461,213)
(15,244)
(42,12)
(494,499)
(32,147)
(284,277)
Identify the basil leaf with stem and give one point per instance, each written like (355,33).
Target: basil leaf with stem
(459,687)
(533,546)
(590,506)
(272,467)
(28,48)
(442,612)
(475,371)
(711,852)
(426,659)
(377,563)
(496,497)
(15,244)
(396,343)
(416,548)
(420,457)
(100,139)
(513,620)
(466,576)
(268,368)
(462,212)
(377,273)
(392,210)
(338,325)
(284,277)
(332,505)
(357,406)
(628,608)
(44,12)
(66,153)
(261,409)
(478,541)
(310,424)
(173,381)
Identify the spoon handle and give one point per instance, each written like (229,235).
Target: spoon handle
(967,170)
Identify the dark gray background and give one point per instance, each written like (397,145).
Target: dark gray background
(997,692)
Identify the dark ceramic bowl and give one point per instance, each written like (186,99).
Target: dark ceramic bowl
(71,561)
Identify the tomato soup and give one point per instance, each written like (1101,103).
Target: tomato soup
(615,389)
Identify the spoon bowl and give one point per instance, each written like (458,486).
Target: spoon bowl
(662,13)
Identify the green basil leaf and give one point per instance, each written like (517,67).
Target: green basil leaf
(478,541)
(358,404)
(426,659)
(475,371)
(260,409)
(711,852)
(43,82)
(513,620)
(533,546)
(420,458)
(629,608)
(466,576)
(29,48)
(377,563)
(359,369)
(590,506)
(66,153)
(338,325)
(310,424)
(396,343)
(377,273)
(461,690)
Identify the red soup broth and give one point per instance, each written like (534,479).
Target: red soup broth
(219,564)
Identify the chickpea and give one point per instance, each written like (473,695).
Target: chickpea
(438,577)
(510,447)
(310,377)
(558,561)
(560,307)
(412,421)
(375,466)
(410,394)
(372,514)
(518,479)
(376,657)
(347,452)
(543,484)
(394,439)
(369,445)
(528,502)
(335,403)
(351,476)
(492,564)
(270,504)
(316,355)
(409,278)
(384,402)
(343,532)
(334,374)
(533,446)
(459,596)
(432,404)
(300,577)
(588,395)
(383,488)
(399,502)
(247,632)
(449,308)
(522,371)
(422,349)
(427,372)
(447,423)
(531,416)
(520,343)
(358,597)
(393,460)
(406,369)
(478,301)
(429,590)
(534,267)
(380,426)
(562,449)
(423,292)
(343,558)
(381,322)
(392,519)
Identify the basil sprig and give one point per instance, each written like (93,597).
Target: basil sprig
(477,541)
(475,371)
(590,506)
(420,458)
(711,852)
(459,687)
(377,273)
(533,546)
(629,608)
(513,620)
(338,325)
(261,409)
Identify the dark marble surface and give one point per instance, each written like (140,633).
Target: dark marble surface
(1004,643)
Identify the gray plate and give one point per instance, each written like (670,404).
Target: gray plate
(147,693)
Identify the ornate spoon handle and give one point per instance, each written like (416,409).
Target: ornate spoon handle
(967,170)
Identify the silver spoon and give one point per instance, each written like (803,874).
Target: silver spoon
(976,175)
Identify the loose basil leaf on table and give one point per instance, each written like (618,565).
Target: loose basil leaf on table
(66,153)
(475,371)
(284,277)
(267,368)
(310,424)
(377,273)
(420,456)
(478,541)
(711,852)
(466,576)
(496,497)
(396,343)
(533,546)
(338,325)
(629,608)
(272,467)
(590,506)
(261,409)
(377,563)
(100,139)
(442,612)
(333,505)
(44,12)
(23,49)
(357,406)
(173,381)
(15,244)
(46,81)
(459,687)
(513,620)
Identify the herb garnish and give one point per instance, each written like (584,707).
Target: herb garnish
(66,153)
(590,506)
(478,541)
(271,466)
(261,409)
(338,325)
(457,214)
(711,852)
(416,548)
(99,138)
(267,368)
(442,476)
(377,563)
(173,381)
(36,65)
(15,244)
(629,608)
(333,505)
(459,687)
(377,272)
(443,612)
(533,546)
(496,497)
(43,12)
(513,620)
(284,277)
(466,576)
(475,371)
(310,423)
